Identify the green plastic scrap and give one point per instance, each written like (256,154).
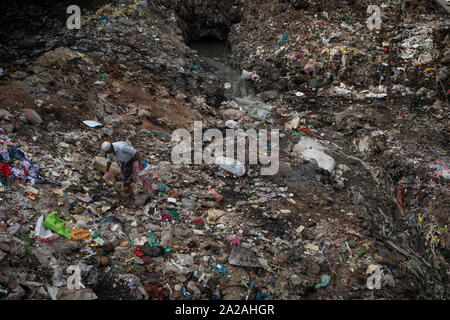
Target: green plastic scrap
(160,134)
(437,274)
(325,280)
(54,223)
(414,262)
(172,213)
(151,238)
(28,248)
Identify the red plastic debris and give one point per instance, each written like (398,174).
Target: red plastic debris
(5,169)
(400,197)
(310,132)
(165,216)
(215,195)
(31,196)
(138,252)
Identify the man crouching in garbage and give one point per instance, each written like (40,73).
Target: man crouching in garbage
(125,156)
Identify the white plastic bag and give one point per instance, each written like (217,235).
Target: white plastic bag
(42,233)
(230,165)
(145,178)
(92,123)
(248,75)
(232,124)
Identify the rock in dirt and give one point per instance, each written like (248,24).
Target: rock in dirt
(81,294)
(32,116)
(152,251)
(100,165)
(310,149)
(243,257)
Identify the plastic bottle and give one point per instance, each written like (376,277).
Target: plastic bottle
(232,124)
(220,268)
(197,219)
(230,165)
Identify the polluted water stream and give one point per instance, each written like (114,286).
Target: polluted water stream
(216,54)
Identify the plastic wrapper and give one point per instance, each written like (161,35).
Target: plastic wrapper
(41,233)
(54,223)
(79,234)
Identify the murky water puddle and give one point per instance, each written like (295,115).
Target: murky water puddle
(211,48)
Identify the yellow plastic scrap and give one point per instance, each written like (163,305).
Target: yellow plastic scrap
(117,12)
(420,219)
(102,10)
(430,69)
(433,240)
(312,247)
(32,190)
(372,267)
(59,192)
(79,234)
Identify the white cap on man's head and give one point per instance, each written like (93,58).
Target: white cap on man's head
(106,146)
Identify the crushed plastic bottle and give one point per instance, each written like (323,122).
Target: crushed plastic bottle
(232,124)
(230,165)
(220,268)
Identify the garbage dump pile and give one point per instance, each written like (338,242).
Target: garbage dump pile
(359,206)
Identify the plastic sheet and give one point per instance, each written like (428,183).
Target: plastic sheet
(41,233)
(79,234)
(54,223)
